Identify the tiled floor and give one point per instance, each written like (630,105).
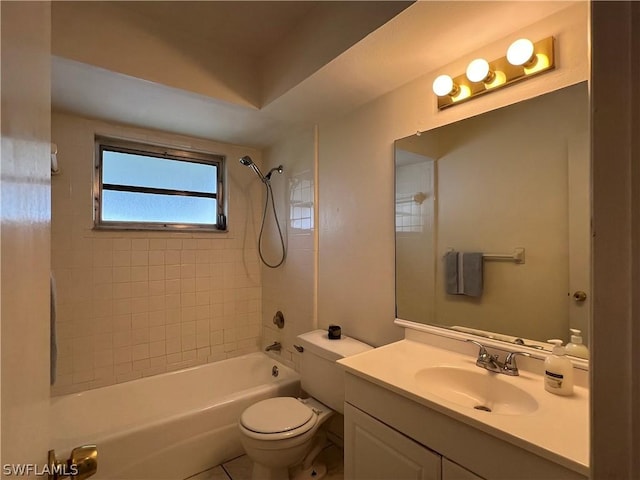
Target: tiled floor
(240,468)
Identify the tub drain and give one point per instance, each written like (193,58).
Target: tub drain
(483,408)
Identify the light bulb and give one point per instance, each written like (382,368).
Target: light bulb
(443,85)
(520,52)
(478,70)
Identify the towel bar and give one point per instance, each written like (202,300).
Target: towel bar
(517,256)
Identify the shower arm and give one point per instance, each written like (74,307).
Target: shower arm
(278,169)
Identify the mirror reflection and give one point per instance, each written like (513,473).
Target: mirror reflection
(493,222)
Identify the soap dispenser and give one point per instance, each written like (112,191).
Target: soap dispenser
(558,371)
(576,347)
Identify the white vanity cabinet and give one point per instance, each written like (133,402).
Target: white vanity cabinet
(453,471)
(389,436)
(378,452)
(375,451)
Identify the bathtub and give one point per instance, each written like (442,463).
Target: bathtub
(168,426)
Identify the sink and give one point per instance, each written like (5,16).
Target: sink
(481,390)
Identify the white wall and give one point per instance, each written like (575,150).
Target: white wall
(356,259)
(139,303)
(25,215)
(291,287)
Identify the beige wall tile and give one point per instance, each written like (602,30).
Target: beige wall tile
(137,303)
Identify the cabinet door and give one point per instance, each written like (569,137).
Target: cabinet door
(453,471)
(374,451)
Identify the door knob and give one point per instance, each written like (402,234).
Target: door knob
(82,464)
(579,296)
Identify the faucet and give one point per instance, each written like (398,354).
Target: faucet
(493,363)
(277,346)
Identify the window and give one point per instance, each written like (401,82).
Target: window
(148,187)
(301,202)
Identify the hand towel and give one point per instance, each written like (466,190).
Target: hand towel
(451,273)
(472,266)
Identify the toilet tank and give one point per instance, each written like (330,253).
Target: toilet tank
(321,376)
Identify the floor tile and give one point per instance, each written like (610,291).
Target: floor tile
(239,468)
(215,473)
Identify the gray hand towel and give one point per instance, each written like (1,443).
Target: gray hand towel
(472,265)
(451,273)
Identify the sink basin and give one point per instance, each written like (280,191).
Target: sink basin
(481,390)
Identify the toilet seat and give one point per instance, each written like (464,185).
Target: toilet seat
(280,417)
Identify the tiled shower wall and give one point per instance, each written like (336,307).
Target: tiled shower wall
(291,287)
(132,303)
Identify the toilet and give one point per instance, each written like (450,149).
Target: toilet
(281,432)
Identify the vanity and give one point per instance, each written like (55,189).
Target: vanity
(420,408)
(511,187)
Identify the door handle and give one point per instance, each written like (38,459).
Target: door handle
(579,296)
(82,464)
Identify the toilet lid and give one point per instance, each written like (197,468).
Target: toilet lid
(276,415)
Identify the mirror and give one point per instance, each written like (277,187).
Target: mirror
(511,181)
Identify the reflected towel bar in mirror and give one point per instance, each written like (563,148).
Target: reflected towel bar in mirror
(517,256)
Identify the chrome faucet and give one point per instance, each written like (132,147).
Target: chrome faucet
(277,346)
(493,363)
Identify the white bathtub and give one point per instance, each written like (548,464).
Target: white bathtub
(168,426)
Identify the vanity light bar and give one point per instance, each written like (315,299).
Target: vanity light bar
(479,79)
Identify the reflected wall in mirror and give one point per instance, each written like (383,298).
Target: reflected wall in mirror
(516,177)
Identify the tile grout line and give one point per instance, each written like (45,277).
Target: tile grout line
(226,471)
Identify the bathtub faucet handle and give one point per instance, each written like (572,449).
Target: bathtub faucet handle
(277,346)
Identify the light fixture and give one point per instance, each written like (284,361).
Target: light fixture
(521,52)
(443,85)
(478,71)
(523,60)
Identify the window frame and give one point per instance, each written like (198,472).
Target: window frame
(104,143)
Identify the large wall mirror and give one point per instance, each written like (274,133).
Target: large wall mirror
(516,179)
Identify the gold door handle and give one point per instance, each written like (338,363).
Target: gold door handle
(82,464)
(579,296)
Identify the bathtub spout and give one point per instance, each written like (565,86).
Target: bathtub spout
(274,346)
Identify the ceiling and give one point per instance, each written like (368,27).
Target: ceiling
(249,27)
(316,59)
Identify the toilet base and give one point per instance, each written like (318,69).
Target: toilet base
(317,471)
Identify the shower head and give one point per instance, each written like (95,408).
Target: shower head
(247,162)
